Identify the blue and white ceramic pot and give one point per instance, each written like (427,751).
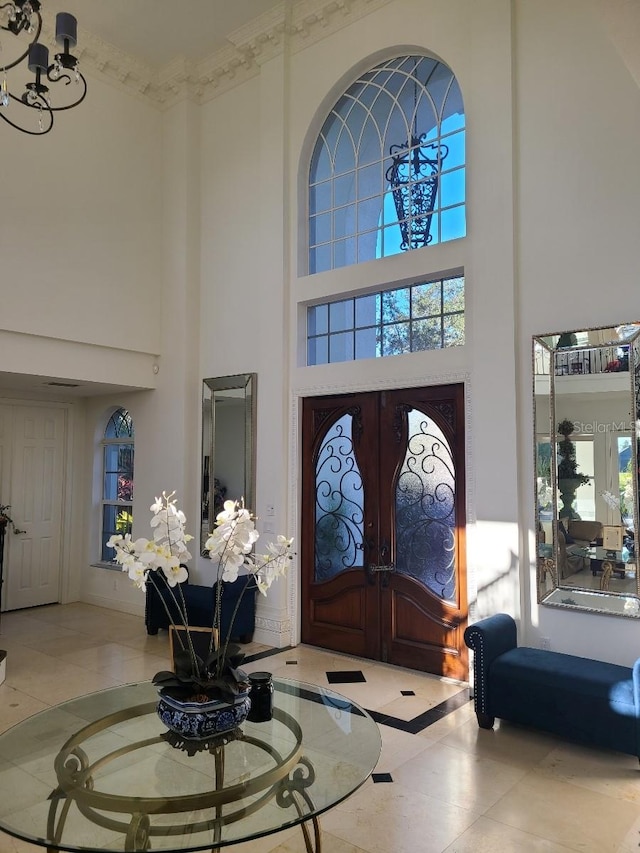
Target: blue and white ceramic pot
(202,720)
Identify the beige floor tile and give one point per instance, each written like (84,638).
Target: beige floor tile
(330,843)
(565,813)
(511,744)
(459,778)
(399,747)
(487,836)
(389,817)
(16,706)
(98,654)
(610,773)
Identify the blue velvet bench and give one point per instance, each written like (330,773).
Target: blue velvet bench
(583,700)
(199,601)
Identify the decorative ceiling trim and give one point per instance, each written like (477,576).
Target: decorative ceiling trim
(248,48)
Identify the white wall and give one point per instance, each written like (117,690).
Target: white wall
(191,222)
(80,227)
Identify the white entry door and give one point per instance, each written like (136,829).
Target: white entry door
(32,557)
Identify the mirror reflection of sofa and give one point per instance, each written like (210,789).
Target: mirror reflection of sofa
(574,535)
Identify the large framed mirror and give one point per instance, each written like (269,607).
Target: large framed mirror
(586,415)
(228,445)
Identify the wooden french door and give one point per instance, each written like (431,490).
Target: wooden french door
(383,527)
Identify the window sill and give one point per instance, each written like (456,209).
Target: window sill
(112,567)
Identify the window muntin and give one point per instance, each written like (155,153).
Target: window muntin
(117,479)
(402,121)
(421,316)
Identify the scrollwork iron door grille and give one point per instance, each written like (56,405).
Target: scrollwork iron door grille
(339,516)
(425,509)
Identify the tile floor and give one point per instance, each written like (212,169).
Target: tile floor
(454,788)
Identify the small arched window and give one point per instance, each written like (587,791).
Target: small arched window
(117,479)
(387,172)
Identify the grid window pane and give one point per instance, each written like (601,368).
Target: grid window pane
(453,295)
(318,350)
(395,305)
(453,223)
(344,253)
(455,150)
(370,182)
(344,189)
(344,220)
(427,334)
(391,322)
(366,343)
(320,259)
(367,310)
(318,320)
(115,519)
(341,347)
(452,188)
(341,315)
(320,229)
(426,299)
(454,330)
(396,339)
(320,197)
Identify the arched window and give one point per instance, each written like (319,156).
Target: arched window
(387,172)
(117,479)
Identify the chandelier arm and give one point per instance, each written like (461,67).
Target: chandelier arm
(20,59)
(24,129)
(67,81)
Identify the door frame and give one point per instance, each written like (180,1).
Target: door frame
(295,444)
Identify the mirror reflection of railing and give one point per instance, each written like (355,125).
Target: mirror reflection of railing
(228,445)
(590,379)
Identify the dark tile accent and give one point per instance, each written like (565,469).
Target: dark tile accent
(345,676)
(428,718)
(266,654)
(291,662)
(408,692)
(381,777)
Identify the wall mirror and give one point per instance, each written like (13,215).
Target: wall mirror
(586,416)
(228,445)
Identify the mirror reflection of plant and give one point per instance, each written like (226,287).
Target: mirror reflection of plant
(568,466)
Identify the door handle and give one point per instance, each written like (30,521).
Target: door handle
(385,571)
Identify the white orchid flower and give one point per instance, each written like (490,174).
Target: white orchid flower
(174,572)
(138,574)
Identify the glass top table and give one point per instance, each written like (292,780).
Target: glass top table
(99,773)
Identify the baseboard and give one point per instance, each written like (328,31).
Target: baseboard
(115,604)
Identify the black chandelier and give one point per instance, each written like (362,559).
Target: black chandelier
(22,19)
(414,177)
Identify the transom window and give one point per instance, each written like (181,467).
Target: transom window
(117,479)
(387,173)
(428,315)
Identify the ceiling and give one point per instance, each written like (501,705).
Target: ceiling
(156,31)
(56,387)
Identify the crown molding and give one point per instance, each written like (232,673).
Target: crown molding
(302,23)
